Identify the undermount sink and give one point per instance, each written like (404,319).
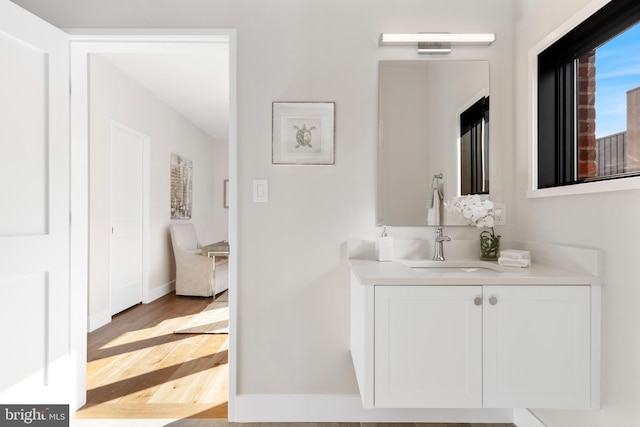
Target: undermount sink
(453,266)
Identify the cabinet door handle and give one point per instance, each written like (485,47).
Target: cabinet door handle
(477,300)
(493,300)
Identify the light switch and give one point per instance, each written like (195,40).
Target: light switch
(260,191)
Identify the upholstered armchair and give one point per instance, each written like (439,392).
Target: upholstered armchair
(194,270)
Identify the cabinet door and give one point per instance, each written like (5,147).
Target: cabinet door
(537,346)
(428,346)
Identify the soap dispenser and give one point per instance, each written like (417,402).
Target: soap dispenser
(384,246)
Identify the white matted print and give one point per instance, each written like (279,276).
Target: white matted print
(303,133)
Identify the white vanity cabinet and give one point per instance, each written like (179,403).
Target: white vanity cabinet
(428,347)
(472,346)
(536,344)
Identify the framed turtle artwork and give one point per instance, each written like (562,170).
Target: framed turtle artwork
(303,133)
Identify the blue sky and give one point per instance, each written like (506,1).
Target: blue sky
(617,71)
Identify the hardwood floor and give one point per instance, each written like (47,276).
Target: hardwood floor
(138,368)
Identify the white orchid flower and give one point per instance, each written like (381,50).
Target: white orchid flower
(475,210)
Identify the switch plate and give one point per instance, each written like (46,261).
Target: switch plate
(501,218)
(260,191)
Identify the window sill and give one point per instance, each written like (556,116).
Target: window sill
(621,184)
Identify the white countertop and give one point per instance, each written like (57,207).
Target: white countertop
(463,272)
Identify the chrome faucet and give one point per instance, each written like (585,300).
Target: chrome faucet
(439,253)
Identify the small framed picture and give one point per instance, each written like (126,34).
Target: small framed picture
(226,193)
(303,133)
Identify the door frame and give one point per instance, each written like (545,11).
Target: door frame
(82,43)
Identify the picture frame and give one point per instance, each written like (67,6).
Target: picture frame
(303,133)
(226,194)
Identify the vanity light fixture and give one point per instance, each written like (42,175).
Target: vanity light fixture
(436,43)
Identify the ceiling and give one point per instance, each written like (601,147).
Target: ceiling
(195,85)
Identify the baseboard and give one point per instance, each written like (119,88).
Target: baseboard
(332,408)
(161,291)
(524,418)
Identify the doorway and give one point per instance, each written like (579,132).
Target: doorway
(81,47)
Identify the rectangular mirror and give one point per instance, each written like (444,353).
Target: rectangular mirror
(433,122)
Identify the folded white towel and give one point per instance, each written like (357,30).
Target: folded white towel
(515,254)
(511,262)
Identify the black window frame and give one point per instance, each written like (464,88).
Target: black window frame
(557,151)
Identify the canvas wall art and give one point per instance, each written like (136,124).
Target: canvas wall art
(181,187)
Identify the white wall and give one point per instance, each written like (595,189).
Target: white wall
(113,95)
(607,221)
(293,285)
(220,166)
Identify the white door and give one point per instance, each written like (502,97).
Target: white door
(127,147)
(428,346)
(34,213)
(537,347)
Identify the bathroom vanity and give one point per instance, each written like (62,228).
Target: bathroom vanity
(473,334)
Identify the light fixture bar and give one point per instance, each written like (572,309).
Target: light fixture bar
(454,38)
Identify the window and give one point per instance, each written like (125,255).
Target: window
(589,100)
(474,149)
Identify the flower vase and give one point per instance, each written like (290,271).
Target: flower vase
(489,245)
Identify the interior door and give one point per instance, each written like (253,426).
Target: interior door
(34,214)
(127,147)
